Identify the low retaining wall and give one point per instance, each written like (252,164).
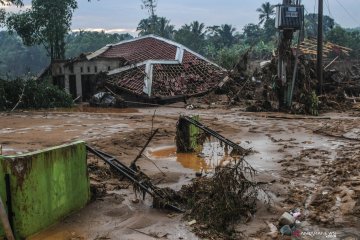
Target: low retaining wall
(45,186)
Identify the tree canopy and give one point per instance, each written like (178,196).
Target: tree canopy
(156,25)
(266,11)
(46,23)
(38,28)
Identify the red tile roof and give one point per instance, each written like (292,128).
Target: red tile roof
(185,79)
(141,50)
(170,75)
(132,80)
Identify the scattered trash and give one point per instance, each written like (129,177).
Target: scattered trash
(191,222)
(286,230)
(286,219)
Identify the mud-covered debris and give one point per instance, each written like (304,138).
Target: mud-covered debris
(223,199)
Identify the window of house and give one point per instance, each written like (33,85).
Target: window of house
(88,68)
(71,68)
(95,69)
(109,68)
(81,69)
(60,70)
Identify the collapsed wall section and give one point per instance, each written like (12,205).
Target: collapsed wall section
(45,186)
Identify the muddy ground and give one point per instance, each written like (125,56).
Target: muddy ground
(305,162)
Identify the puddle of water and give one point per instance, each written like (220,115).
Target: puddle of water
(212,155)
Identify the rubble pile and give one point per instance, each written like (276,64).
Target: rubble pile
(190,79)
(259,88)
(223,199)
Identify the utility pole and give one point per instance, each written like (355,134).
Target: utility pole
(320,46)
(289,19)
(284,48)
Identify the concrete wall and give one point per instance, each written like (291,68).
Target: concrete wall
(46,186)
(84,67)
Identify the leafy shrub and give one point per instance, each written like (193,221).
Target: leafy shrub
(36,95)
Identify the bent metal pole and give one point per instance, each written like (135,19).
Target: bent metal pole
(5,222)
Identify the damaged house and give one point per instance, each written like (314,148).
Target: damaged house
(144,68)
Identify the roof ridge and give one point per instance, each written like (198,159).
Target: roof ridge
(168,41)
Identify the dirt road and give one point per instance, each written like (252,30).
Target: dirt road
(307,163)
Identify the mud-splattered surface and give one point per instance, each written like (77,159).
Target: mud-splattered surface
(307,163)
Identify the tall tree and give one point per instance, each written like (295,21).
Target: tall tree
(226,33)
(144,27)
(266,11)
(84,42)
(151,5)
(252,33)
(311,24)
(221,36)
(46,23)
(192,36)
(18,3)
(162,27)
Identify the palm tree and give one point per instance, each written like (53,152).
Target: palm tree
(164,28)
(226,33)
(266,11)
(144,27)
(192,35)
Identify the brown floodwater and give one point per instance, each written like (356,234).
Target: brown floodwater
(213,154)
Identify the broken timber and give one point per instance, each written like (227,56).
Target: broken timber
(134,177)
(133,164)
(215,134)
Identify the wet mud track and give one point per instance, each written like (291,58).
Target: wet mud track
(307,163)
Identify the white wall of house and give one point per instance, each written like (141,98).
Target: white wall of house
(80,68)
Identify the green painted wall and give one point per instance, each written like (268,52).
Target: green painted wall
(2,190)
(194,133)
(46,186)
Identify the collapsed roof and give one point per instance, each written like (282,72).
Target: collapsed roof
(158,67)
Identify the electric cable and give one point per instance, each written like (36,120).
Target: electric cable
(348,13)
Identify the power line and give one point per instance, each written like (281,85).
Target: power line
(327,3)
(348,13)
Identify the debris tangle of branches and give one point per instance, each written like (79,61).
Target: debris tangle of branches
(227,197)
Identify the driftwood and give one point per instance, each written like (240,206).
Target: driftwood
(20,98)
(133,163)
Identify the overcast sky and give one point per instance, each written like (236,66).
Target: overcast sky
(124,15)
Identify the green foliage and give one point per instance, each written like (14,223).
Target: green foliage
(17,59)
(228,57)
(311,102)
(3,12)
(36,95)
(311,25)
(46,23)
(84,42)
(222,36)
(252,33)
(269,30)
(9,2)
(346,38)
(192,36)
(266,11)
(156,25)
